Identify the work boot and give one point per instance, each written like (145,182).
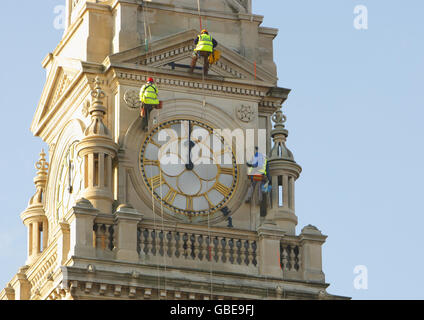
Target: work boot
(193,64)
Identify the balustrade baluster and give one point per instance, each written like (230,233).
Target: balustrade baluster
(284,258)
(196,247)
(219,249)
(186,246)
(249,252)
(179,245)
(171,244)
(237,252)
(243,251)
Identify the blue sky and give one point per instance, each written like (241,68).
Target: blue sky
(355,118)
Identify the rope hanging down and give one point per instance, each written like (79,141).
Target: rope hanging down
(203,114)
(148,39)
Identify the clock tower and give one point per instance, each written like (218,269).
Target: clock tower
(124,213)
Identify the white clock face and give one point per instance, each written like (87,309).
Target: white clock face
(70,181)
(193,184)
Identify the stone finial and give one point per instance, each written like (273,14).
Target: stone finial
(279,118)
(312,230)
(40,179)
(97,112)
(98,94)
(84,203)
(279,136)
(42,165)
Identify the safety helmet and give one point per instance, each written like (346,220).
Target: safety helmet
(150,80)
(204,31)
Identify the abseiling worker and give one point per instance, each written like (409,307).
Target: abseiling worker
(205,46)
(149,96)
(258,172)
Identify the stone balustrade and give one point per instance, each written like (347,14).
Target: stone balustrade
(188,246)
(103,236)
(203,249)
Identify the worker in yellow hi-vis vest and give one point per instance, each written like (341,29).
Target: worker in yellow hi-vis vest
(205,46)
(149,97)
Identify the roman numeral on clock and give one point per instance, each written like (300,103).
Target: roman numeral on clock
(224,190)
(170,196)
(156,182)
(189,204)
(228,171)
(151,162)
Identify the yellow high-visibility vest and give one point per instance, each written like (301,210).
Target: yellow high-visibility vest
(205,43)
(149,94)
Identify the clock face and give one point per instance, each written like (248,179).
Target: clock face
(70,181)
(194,184)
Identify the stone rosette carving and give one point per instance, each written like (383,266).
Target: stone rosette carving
(246,113)
(132,99)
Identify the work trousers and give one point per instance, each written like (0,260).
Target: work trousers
(145,119)
(205,55)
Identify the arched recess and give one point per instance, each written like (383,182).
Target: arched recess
(129,161)
(73,131)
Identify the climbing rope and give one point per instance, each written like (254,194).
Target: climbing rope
(149,57)
(202,117)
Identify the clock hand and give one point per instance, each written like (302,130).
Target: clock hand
(69,176)
(189,165)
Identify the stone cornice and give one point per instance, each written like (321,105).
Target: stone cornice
(130,282)
(235,88)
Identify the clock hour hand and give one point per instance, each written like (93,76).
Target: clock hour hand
(70,189)
(191,144)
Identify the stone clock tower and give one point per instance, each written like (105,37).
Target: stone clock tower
(110,219)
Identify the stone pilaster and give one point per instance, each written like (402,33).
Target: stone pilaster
(63,244)
(311,240)
(81,223)
(126,221)
(269,250)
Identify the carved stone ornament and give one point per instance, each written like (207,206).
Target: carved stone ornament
(132,99)
(245,113)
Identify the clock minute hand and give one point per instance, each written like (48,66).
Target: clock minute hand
(189,165)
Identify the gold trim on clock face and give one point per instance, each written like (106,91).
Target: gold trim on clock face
(200,189)
(69,181)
